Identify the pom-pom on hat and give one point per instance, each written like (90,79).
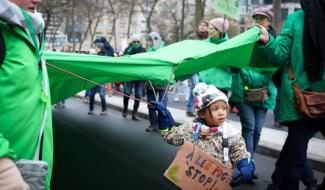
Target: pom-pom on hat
(205,95)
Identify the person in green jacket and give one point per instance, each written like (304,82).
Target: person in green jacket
(252,113)
(155,89)
(301,45)
(24,91)
(219,77)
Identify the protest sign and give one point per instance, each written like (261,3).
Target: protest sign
(230,8)
(194,169)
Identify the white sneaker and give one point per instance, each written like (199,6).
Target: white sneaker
(176,99)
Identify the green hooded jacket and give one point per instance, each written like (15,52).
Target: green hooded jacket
(221,77)
(23,102)
(157,85)
(287,48)
(252,80)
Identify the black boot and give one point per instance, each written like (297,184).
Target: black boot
(135,116)
(125,105)
(125,112)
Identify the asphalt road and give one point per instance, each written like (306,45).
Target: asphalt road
(110,152)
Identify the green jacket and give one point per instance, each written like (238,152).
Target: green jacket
(22,100)
(252,80)
(288,48)
(157,85)
(221,77)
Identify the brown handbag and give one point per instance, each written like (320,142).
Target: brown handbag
(310,104)
(257,94)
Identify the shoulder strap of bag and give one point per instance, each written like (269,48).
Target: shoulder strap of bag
(2,49)
(291,76)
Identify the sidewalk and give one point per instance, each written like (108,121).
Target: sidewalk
(271,140)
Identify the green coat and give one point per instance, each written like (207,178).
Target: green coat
(289,45)
(21,101)
(221,77)
(252,80)
(157,85)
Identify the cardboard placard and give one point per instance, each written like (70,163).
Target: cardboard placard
(194,169)
(231,8)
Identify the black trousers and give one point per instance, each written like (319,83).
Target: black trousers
(291,166)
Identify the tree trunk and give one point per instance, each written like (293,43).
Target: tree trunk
(182,19)
(114,32)
(199,11)
(73,25)
(48,21)
(130,18)
(277,15)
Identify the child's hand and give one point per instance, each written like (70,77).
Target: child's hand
(165,119)
(243,172)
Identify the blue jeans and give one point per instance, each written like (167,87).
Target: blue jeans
(291,166)
(252,120)
(153,115)
(190,103)
(101,92)
(87,94)
(138,91)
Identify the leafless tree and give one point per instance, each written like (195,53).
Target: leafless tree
(277,15)
(91,15)
(147,9)
(199,11)
(131,9)
(116,8)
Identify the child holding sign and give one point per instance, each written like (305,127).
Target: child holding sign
(210,131)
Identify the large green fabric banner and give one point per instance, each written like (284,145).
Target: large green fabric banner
(188,57)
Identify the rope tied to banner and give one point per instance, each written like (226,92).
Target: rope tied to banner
(115,91)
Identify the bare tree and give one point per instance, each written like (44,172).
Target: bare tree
(116,8)
(131,10)
(277,15)
(92,13)
(199,11)
(147,9)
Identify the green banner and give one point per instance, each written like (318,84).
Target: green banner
(188,57)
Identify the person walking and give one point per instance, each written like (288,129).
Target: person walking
(23,87)
(252,111)
(299,49)
(200,34)
(134,47)
(155,89)
(101,90)
(220,77)
(210,131)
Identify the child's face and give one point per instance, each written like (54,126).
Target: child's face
(215,115)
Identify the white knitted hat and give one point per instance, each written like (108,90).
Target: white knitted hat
(135,37)
(205,95)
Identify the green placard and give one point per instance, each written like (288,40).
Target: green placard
(231,8)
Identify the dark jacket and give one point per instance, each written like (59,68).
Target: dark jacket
(131,50)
